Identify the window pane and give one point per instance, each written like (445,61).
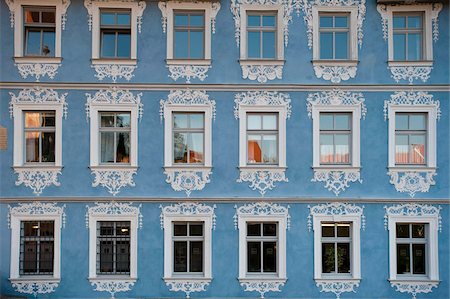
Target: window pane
(268,44)
(254,149)
(197,20)
(401,149)
(33,45)
(31,16)
(123,120)
(253,256)
(46,228)
(180,147)
(270,145)
(31,228)
(181,20)
(342,122)
(196,148)
(196,258)
(30,257)
(399,21)
(343,257)
(181,44)
(419,266)
(253,229)
(107,147)
(402,230)
(123,228)
(123,18)
(106,228)
(32,119)
(326,21)
(417,149)
(123,256)
(343,230)
(180,229)
(180,120)
(414,21)
(328,264)
(341,21)
(418,231)
(48,119)
(341,45)
(253,20)
(108,18)
(107,120)
(48,43)
(414,46)
(32,146)
(326,148)
(196,229)
(269,122)
(106,256)
(196,121)
(123,44)
(180,256)
(253,122)
(254,38)
(197,45)
(417,122)
(270,256)
(399,46)
(328,230)
(268,21)
(108,44)
(48,147)
(46,256)
(403,256)
(326,45)
(342,148)
(123,148)
(326,121)
(269,229)
(401,121)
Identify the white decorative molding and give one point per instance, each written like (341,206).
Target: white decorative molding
(262,180)
(336,208)
(188,71)
(187,286)
(38,95)
(113,179)
(112,286)
(410,73)
(261,72)
(414,287)
(413,210)
(35,287)
(37,208)
(337,180)
(187,180)
(262,209)
(306,6)
(412,181)
(262,286)
(114,208)
(335,74)
(187,98)
(38,70)
(114,71)
(262,98)
(37,178)
(337,286)
(411,98)
(336,97)
(188,209)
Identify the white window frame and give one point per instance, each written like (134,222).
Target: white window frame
(353,43)
(430,110)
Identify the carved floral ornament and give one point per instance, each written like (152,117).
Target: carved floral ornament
(262,209)
(114,71)
(114,208)
(335,97)
(187,98)
(38,70)
(262,98)
(414,210)
(37,208)
(335,208)
(411,98)
(112,286)
(188,209)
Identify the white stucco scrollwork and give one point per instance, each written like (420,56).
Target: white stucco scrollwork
(413,209)
(336,97)
(337,180)
(187,98)
(336,208)
(187,286)
(414,288)
(37,208)
(37,179)
(335,74)
(38,70)
(410,73)
(262,209)
(188,72)
(337,287)
(113,179)
(261,72)
(188,209)
(263,286)
(113,208)
(262,98)
(112,286)
(412,182)
(194,179)
(262,180)
(35,288)
(114,71)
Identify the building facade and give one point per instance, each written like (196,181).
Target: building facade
(224,149)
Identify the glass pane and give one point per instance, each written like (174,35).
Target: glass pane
(107,147)
(123,228)
(108,44)
(269,122)
(48,119)
(181,44)
(399,46)
(48,43)
(196,120)
(46,256)
(48,17)
(326,148)
(254,39)
(30,228)
(180,256)
(268,44)
(414,21)
(180,148)
(269,229)
(197,20)
(326,21)
(253,20)
(418,231)
(343,257)
(253,122)
(342,122)
(403,256)
(326,45)
(417,149)
(197,45)
(48,147)
(106,228)
(32,119)
(32,146)
(342,148)
(417,122)
(30,257)
(196,258)
(401,121)
(402,230)
(47,229)
(108,18)
(341,45)
(107,120)
(343,230)
(253,256)
(123,44)
(399,21)
(268,21)
(106,256)
(341,22)
(181,20)
(180,229)
(414,46)
(270,145)
(180,120)
(123,120)
(254,154)
(123,18)
(328,230)
(123,256)
(33,45)
(253,229)
(326,121)
(31,16)
(419,266)
(270,256)
(196,229)
(328,264)
(196,148)
(123,148)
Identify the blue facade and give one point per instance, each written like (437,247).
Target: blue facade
(224,81)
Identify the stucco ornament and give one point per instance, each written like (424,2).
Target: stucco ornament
(336,97)
(261,72)
(410,73)
(188,209)
(262,180)
(188,180)
(337,180)
(37,178)
(35,288)
(337,287)
(113,179)
(263,286)
(188,72)
(114,71)
(412,181)
(38,95)
(39,209)
(187,98)
(412,209)
(414,288)
(411,98)
(336,208)
(262,98)
(112,286)
(335,74)
(38,70)
(187,286)
(262,209)
(113,208)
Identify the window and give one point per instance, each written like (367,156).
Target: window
(408,36)
(261,35)
(188,244)
(410,138)
(262,138)
(189,35)
(334,34)
(411,240)
(36,247)
(336,248)
(115,30)
(40,28)
(113,247)
(40,130)
(335,138)
(115,130)
(188,138)
(262,240)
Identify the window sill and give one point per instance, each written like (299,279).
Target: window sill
(35,278)
(38,167)
(112,278)
(188,278)
(337,279)
(336,167)
(261,62)
(113,167)
(102,61)
(188,61)
(37,59)
(410,168)
(262,278)
(323,62)
(428,63)
(262,167)
(188,168)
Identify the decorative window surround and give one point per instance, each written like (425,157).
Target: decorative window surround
(411,70)
(333,70)
(37,66)
(187,211)
(262,211)
(255,69)
(113,177)
(337,177)
(412,212)
(188,68)
(114,68)
(413,179)
(35,211)
(262,177)
(187,178)
(337,212)
(37,176)
(113,211)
